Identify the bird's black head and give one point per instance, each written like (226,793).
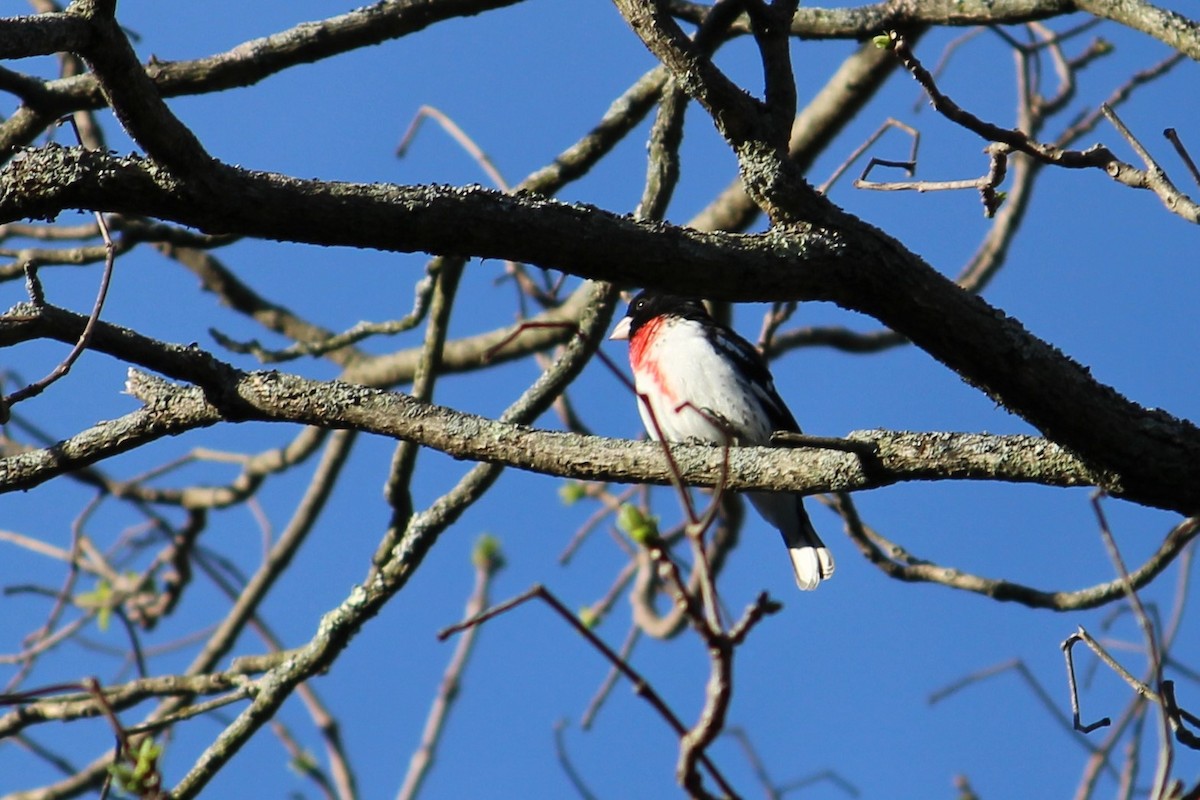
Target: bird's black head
(647,305)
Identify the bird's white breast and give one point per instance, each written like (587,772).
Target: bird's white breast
(682,364)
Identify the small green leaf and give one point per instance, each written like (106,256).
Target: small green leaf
(122,776)
(99,599)
(883,41)
(487,554)
(639,527)
(571,493)
(588,617)
(629,516)
(135,776)
(304,763)
(149,750)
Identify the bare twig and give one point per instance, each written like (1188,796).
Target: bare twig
(779,313)
(85,337)
(1017,140)
(487,560)
(564,760)
(302,761)
(610,504)
(909,165)
(1174,139)
(641,687)
(1153,651)
(610,680)
(464,141)
(1098,157)
(986,184)
(1067,648)
(1026,674)
(898,563)
(74,559)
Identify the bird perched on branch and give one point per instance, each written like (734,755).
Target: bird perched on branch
(697,380)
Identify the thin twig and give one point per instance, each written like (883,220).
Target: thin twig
(456,133)
(1026,674)
(641,687)
(895,561)
(487,561)
(85,337)
(1166,752)
(610,680)
(564,760)
(1067,648)
(909,165)
(1174,139)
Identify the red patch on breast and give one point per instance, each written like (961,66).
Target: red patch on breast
(639,345)
(643,360)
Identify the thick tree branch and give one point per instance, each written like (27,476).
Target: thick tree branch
(269,396)
(856,22)
(43,35)
(1174,30)
(132,95)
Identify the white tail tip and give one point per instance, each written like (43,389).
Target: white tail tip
(811,565)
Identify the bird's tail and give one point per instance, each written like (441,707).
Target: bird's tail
(811,560)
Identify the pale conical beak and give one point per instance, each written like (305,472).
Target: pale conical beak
(621,331)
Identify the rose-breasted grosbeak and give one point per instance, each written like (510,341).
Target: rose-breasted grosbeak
(697,380)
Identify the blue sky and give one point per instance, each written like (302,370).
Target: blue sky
(840,679)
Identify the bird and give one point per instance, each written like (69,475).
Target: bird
(698,380)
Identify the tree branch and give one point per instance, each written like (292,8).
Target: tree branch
(269,396)
(244,65)
(43,35)
(132,95)
(1174,30)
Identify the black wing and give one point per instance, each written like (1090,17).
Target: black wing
(751,364)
